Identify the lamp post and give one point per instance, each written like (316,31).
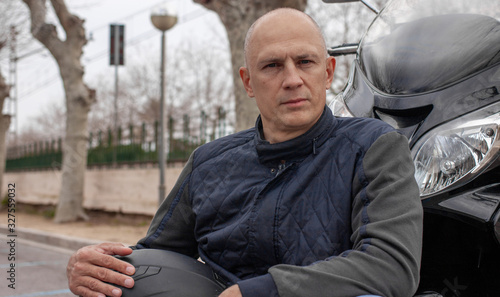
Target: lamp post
(162,20)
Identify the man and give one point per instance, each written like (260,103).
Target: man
(304,204)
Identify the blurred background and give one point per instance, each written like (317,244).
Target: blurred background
(112,154)
(94,131)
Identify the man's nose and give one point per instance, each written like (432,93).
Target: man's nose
(292,78)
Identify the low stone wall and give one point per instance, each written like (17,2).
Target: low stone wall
(128,190)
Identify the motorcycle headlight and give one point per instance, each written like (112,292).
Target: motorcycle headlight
(456,152)
(339,108)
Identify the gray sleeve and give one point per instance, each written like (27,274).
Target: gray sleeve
(387,233)
(172,227)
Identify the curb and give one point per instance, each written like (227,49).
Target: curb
(50,239)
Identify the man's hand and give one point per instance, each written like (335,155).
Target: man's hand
(93,265)
(233,291)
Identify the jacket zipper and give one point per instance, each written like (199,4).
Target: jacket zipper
(314,145)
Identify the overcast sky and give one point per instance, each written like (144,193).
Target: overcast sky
(38,76)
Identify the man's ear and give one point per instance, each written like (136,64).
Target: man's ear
(245,78)
(330,69)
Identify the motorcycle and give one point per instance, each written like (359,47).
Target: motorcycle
(431,69)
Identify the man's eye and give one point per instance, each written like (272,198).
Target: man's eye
(272,65)
(305,61)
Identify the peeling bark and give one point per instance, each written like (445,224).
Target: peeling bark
(237,16)
(79,99)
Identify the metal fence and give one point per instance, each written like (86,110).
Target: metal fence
(134,145)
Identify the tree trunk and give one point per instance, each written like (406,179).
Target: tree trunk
(79,99)
(4,126)
(237,17)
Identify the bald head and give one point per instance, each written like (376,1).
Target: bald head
(281,14)
(287,72)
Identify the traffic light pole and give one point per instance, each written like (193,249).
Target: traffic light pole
(116,58)
(115,120)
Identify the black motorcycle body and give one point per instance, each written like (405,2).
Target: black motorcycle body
(431,69)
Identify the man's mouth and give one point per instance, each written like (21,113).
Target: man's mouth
(294,102)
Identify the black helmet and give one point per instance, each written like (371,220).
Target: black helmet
(163,273)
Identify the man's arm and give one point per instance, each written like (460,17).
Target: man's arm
(387,233)
(92,269)
(172,227)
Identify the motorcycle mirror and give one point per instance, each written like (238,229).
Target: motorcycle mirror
(371,7)
(344,49)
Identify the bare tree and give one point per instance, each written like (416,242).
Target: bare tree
(47,124)
(237,17)
(137,85)
(187,91)
(79,99)
(342,23)
(8,13)
(4,123)
(101,113)
(205,90)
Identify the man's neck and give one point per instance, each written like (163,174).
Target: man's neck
(280,137)
(273,135)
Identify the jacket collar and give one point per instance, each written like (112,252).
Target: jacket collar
(296,148)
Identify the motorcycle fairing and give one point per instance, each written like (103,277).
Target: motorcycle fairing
(416,114)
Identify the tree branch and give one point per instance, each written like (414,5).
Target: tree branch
(62,14)
(72,24)
(43,32)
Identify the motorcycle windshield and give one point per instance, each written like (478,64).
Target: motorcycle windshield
(418,46)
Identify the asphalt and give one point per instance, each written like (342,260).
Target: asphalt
(33,263)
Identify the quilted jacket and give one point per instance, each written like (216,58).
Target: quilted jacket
(333,212)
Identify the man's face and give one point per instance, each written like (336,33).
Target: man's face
(288,74)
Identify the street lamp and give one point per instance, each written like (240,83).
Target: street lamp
(163,20)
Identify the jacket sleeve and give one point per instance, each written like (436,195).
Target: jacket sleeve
(172,227)
(387,233)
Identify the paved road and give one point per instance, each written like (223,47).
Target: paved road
(28,269)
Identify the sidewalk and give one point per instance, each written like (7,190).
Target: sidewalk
(31,224)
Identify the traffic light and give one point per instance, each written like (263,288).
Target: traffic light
(116,44)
